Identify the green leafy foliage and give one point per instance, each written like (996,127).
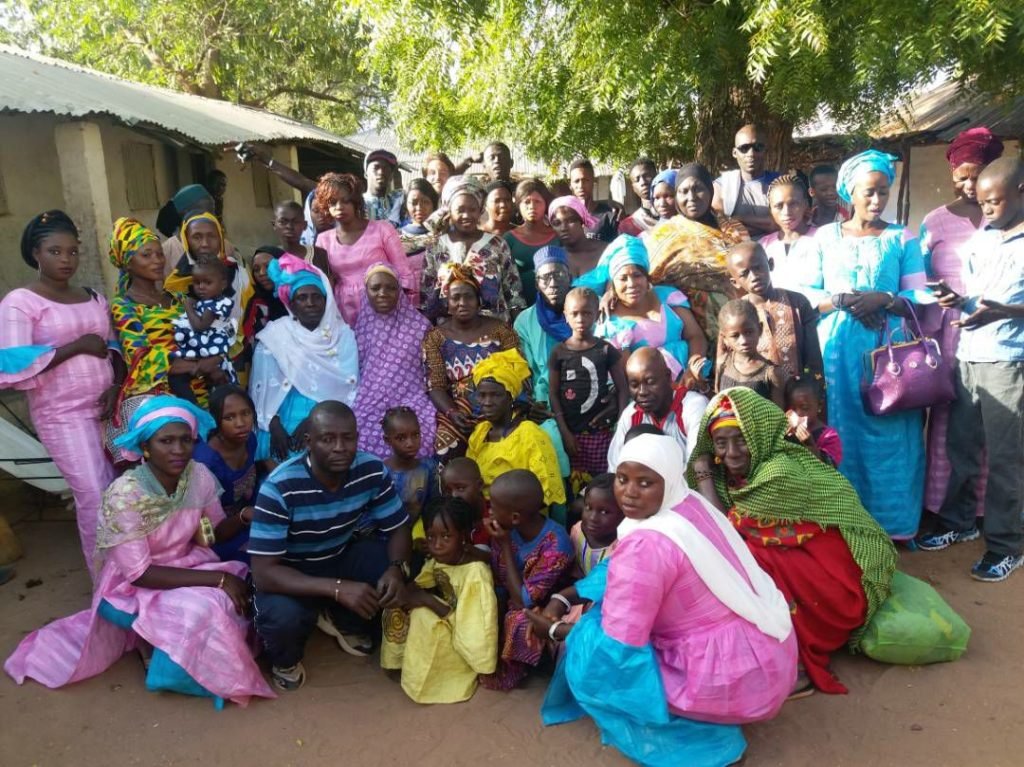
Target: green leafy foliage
(673,78)
(301,58)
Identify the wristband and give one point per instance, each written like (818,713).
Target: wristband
(551,631)
(700,476)
(563,600)
(337,585)
(838,300)
(892,300)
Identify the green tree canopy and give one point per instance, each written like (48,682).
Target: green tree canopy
(299,58)
(672,77)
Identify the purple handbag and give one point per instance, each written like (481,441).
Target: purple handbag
(908,375)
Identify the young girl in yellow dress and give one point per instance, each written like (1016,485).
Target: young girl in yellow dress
(446,633)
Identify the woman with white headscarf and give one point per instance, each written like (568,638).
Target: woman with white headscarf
(865,266)
(688,637)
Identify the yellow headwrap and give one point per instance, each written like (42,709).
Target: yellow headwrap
(202,217)
(128,237)
(508,368)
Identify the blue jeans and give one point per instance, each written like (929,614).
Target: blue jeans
(284,622)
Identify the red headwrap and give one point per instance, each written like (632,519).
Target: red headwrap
(976,146)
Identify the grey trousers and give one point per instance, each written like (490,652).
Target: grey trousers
(988,413)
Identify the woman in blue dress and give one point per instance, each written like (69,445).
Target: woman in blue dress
(866,266)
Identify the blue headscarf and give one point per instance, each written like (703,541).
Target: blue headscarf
(666,177)
(289,273)
(624,250)
(552,321)
(871,161)
(154,414)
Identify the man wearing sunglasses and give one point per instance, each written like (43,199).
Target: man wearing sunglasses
(743,193)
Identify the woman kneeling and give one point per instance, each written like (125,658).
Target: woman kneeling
(158,582)
(802,521)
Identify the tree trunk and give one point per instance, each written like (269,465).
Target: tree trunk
(724,111)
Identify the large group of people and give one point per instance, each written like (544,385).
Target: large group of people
(476,424)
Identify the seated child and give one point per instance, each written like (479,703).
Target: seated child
(531,557)
(446,632)
(789,323)
(206,328)
(804,408)
(578,371)
(461,478)
(741,364)
(504,439)
(416,480)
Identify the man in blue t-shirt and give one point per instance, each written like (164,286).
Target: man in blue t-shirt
(330,545)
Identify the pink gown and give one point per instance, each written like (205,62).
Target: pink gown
(62,400)
(944,238)
(379,243)
(715,666)
(196,626)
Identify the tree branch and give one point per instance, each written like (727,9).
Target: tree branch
(261,101)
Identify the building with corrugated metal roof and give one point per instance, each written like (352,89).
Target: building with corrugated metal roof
(100,147)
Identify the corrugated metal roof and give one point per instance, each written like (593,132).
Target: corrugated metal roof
(945,110)
(31,82)
(522,166)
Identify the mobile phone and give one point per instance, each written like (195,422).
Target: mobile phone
(938,287)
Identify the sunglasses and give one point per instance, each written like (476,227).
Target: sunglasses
(757,146)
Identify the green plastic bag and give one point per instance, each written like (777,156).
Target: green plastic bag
(915,626)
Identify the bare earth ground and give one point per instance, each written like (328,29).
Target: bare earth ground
(349,713)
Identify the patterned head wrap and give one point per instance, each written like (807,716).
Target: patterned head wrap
(576,205)
(202,217)
(665,177)
(507,368)
(871,161)
(457,185)
(550,254)
(787,484)
(976,145)
(289,273)
(722,416)
(452,273)
(126,240)
(153,415)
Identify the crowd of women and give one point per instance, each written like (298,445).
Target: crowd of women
(490,338)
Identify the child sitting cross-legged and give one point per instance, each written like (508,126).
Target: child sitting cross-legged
(741,364)
(531,557)
(446,632)
(804,408)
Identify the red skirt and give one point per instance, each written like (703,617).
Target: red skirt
(816,572)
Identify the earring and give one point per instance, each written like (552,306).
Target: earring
(145,454)
(717,459)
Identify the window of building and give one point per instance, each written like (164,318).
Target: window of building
(140,175)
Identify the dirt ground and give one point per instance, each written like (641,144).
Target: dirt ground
(350,713)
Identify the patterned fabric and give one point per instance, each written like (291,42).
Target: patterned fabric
(691,256)
(217,340)
(501,289)
(127,238)
(147,342)
(544,563)
(786,484)
(789,335)
(944,247)
(450,366)
(391,373)
(664,333)
(197,627)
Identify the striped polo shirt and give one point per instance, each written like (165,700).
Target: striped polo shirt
(300,520)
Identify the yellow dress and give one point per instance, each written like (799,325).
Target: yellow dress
(526,447)
(440,658)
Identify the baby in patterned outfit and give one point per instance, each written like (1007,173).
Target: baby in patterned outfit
(205,329)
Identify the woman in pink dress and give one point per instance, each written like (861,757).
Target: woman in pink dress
(945,234)
(157,583)
(690,633)
(355,243)
(56,339)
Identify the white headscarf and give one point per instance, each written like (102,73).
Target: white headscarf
(760,602)
(323,364)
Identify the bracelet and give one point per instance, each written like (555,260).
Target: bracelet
(892,300)
(551,631)
(222,577)
(563,600)
(270,164)
(337,585)
(700,476)
(838,301)
(241,517)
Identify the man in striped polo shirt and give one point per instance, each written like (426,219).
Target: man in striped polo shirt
(329,545)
